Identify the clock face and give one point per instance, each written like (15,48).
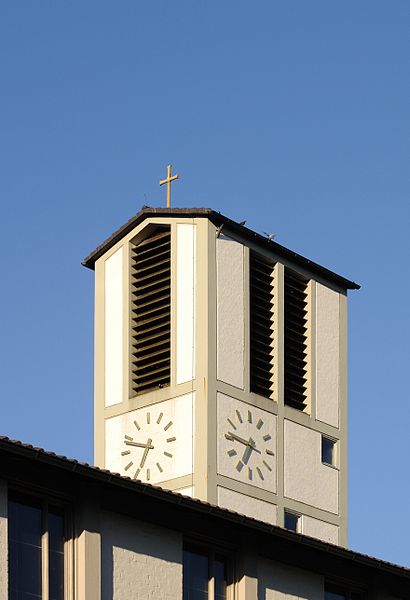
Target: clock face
(152,444)
(149,446)
(246,443)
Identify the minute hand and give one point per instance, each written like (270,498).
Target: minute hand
(138,445)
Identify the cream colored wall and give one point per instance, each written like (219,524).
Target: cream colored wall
(185,307)
(277,581)
(327,532)
(139,561)
(247,505)
(114,317)
(306,478)
(327,355)
(230,311)
(3,542)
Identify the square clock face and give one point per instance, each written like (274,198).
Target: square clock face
(246,443)
(152,444)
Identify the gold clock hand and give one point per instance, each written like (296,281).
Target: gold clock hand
(138,445)
(144,456)
(232,436)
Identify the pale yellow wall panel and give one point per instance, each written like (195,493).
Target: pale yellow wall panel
(277,581)
(246,505)
(230,311)
(113,325)
(139,560)
(306,478)
(327,355)
(185,307)
(327,532)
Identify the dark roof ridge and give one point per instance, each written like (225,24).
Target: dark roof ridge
(218,219)
(36,453)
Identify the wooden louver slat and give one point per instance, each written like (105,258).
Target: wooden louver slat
(151,312)
(261,325)
(295,333)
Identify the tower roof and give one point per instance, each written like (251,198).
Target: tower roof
(229,225)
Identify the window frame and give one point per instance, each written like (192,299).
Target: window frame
(346,591)
(335,453)
(45,502)
(211,551)
(298,520)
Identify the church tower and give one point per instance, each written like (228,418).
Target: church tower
(220,368)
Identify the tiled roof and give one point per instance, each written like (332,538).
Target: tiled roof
(39,455)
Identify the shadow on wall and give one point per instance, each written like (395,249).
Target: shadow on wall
(280,582)
(139,560)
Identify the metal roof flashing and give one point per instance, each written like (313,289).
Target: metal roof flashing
(236,228)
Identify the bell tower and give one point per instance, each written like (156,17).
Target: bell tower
(220,368)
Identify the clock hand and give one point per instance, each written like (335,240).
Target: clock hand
(144,456)
(232,436)
(138,445)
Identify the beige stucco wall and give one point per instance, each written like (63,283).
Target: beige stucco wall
(280,582)
(139,561)
(327,355)
(113,317)
(185,303)
(246,505)
(3,542)
(230,311)
(326,532)
(306,478)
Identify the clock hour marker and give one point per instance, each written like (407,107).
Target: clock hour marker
(167,426)
(159,418)
(171,439)
(148,474)
(239,466)
(136,425)
(260,473)
(231,423)
(250,474)
(148,418)
(267,437)
(259,424)
(160,469)
(270,452)
(168,454)
(129,465)
(267,465)
(232,452)
(126,452)
(238,414)
(249,416)
(137,472)
(127,437)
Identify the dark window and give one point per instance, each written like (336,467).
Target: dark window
(30,523)
(295,334)
(261,325)
(204,575)
(151,312)
(292,521)
(335,592)
(328,451)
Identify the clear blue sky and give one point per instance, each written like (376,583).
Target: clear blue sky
(293,115)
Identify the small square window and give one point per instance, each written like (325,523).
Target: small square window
(328,451)
(292,521)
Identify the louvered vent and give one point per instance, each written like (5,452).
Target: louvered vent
(295,339)
(151,312)
(261,325)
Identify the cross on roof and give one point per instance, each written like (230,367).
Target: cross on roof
(168,182)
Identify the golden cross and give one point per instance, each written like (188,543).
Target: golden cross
(168,182)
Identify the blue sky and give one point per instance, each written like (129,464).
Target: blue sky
(290,114)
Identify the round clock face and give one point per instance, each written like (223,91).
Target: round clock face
(246,443)
(147,448)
